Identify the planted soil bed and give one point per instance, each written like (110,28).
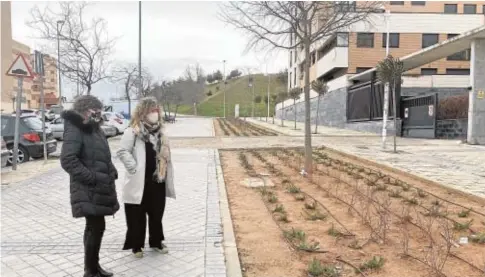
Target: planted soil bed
(238,127)
(348,220)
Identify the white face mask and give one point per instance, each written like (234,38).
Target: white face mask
(152,117)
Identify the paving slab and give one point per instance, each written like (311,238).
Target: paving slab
(39,237)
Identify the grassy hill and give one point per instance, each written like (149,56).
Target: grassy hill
(237,92)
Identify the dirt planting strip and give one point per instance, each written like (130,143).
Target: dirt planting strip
(268,193)
(423,229)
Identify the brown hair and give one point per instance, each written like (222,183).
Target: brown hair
(142,109)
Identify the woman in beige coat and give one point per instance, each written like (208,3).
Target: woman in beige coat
(145,153)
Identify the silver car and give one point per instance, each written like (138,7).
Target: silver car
(109,130)
(57,128)
(5,153)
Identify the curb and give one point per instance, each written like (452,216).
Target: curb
(233,266)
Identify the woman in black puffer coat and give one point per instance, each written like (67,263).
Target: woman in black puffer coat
(86,157)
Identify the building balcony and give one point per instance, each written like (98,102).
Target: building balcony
(336,58)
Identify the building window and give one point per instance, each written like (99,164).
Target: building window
(429,71)
(393,40)
(429,39)
(361,69)
(313,57)
(291,58)
(418,3)
(470,9)
(346,6)
(400,3)
(365,40)
(457,71)
(290,78)
(459,56)
(483,9)
(294,78)
(342,39)
(451,8)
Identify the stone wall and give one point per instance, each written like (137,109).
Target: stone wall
(452,128)
(333,109)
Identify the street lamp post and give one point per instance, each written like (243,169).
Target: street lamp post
(140,85)
(77,73)
(386,89)
(224,78)
(59,22)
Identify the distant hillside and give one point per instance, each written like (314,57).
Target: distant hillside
(237,92)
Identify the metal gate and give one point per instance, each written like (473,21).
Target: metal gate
(418,115)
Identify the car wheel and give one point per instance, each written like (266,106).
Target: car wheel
(23,155)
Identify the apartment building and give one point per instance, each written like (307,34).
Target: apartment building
(49,85)
(30,88)
(412,26)
(6,52)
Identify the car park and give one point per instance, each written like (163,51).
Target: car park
(57,128)
(30,137)
(5,153)
(116,120)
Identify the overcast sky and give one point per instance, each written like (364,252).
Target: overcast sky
(174,34)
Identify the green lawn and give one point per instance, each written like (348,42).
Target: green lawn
(237,92)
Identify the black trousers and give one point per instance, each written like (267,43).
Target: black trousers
(153,206)
(93,235)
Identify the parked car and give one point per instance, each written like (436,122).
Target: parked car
(5,153)
(57,128)
(31,137)
(109,130)
(49,115)
(116,120)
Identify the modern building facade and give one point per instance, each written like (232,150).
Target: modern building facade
(49,84)
(412,25)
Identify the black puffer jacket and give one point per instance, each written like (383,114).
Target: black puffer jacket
(87,158)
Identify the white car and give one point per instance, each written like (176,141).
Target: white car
(116,120)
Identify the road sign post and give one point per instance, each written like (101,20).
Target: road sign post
(20,69)
(18,100)
(39,70)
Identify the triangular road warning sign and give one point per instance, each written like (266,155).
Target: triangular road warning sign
(20,68)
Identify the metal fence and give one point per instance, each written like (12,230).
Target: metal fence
(365,102)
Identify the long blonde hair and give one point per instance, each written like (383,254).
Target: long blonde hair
(142,109)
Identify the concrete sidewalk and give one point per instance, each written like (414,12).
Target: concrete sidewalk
(449,163)
(40,238)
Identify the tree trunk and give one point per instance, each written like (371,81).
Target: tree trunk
(129,107)
(283,114)
(308,131)
(294,108)
(176,109)
(88,86)
(316,118)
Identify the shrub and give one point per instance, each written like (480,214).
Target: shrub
(464,213)
(453,107)
(377,262)
(317,269)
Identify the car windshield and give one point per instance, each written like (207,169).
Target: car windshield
(33,122)
(120,116)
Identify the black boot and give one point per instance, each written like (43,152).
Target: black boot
(90,268)
(101,271)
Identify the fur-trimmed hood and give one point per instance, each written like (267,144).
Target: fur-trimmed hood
(77,120)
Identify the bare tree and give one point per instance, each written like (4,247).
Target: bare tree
(282,96)
(389,72)
(321,88)
(295,95)
(86,46)
(127,75)
(294,25)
